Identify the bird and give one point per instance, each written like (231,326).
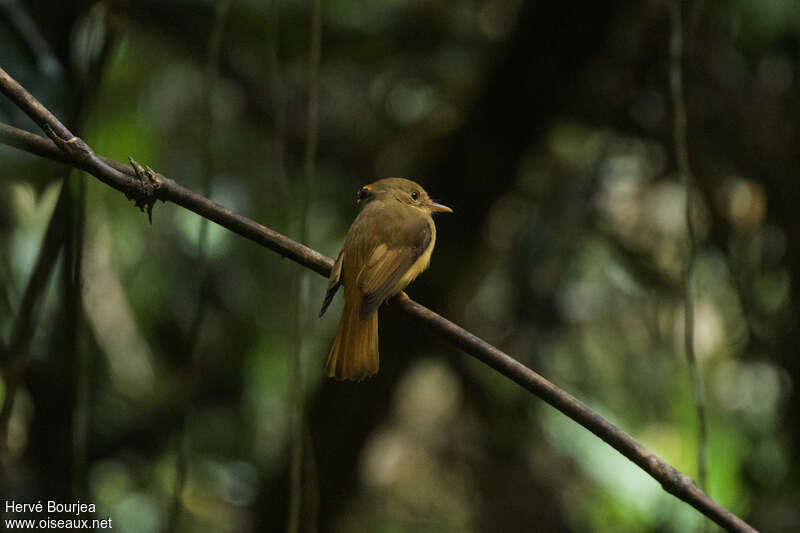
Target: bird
(387,246)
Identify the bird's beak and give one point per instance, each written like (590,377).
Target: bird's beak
(438,208)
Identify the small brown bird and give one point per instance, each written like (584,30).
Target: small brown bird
(388,245)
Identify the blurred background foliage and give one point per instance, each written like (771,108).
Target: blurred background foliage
(158,381)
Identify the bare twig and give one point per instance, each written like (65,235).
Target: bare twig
(297,399)
(89,70)
(682,157)
(20,18)
(164,189)
(126,179)
(77,151)
(22,330)
(79,359)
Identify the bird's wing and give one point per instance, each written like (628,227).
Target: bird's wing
(334,282)
(386,265)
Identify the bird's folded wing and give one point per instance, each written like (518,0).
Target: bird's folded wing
(385,267)
(335,281)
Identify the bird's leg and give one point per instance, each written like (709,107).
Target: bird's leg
(402,296)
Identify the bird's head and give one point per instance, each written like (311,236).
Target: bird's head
(402,190)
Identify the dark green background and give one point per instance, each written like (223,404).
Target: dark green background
(547,128)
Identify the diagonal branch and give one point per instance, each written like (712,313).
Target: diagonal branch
(676,48)
(167,190)
(24,324)
(132,183)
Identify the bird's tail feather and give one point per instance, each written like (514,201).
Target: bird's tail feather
(354,354)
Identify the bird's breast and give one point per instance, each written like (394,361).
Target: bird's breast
(421,264)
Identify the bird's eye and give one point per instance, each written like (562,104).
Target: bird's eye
(415,195)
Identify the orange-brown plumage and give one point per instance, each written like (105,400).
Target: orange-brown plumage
(388,245)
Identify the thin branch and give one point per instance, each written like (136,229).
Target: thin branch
(72,323)
(313,88)
(297,398)
(89,70)
(125,179)
(682,157)
(21,20)
(77,151)
(164,189)
(22,330)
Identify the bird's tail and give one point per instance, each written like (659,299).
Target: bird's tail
(354,354)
